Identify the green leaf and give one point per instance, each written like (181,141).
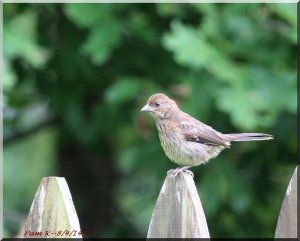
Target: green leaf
(287,11)
(238,102)
(191,49)
(20,40)
(123,90)
(9,76)
(188,46)
(101,42)
(87,15)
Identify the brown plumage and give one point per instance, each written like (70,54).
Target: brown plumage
(185,140)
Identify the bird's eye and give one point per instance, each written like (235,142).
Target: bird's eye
(157,104)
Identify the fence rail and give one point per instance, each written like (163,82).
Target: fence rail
(178,212)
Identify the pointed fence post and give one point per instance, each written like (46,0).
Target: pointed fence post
(287,221)
(178,212)
(52,213)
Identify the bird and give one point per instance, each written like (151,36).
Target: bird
(187,141)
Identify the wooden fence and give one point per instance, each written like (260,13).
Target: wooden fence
(178,212)
(52,213)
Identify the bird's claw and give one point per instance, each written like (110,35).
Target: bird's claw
(175,172)
(190,172)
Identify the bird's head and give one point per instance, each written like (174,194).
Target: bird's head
(160,106)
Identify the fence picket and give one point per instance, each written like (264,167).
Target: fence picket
(52,213)
(178,212)
(287,221)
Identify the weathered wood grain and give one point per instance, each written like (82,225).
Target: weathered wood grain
(287,221)
(52,213)
(178,212)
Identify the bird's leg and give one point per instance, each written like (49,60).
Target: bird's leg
(175,172)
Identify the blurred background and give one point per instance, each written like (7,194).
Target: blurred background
(77,75)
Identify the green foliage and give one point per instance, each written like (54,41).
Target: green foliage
(123,90)
(24,167)
(91,67)
(41,159)
(247,95)
(21,40)
(104,34)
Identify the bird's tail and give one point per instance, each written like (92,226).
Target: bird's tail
(248,137)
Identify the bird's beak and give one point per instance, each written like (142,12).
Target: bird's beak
(147,108)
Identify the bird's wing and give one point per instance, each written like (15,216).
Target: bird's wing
(196,131)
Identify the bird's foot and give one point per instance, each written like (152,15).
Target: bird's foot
(175,172)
